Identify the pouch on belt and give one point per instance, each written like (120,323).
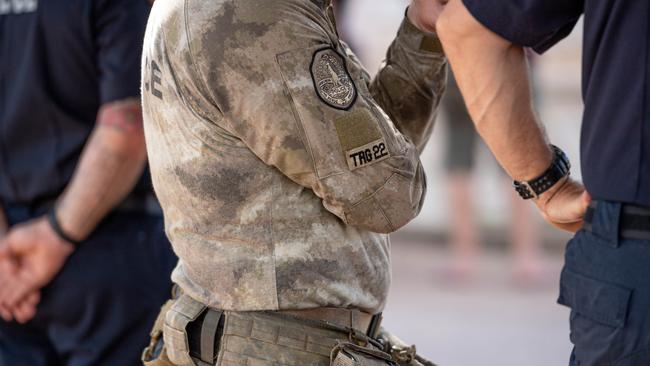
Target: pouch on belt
(350,354)
(176,315)
(402,353)
(156,353)
(184,311)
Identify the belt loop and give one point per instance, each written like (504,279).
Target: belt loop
(375,323)
(209,334)
(351,331)
(606,222)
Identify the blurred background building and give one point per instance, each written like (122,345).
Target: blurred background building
(494,314)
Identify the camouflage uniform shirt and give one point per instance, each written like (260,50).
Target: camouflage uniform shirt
(279,164)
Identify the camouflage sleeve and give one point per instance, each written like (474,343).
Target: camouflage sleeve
(411,82)
(277,78)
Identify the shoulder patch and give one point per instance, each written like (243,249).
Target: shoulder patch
(332,80)
(361,139)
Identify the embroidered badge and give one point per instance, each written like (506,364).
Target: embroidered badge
(332,80)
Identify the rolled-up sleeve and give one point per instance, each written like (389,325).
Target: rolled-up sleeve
(538,24)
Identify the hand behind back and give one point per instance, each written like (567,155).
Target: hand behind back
(31,254)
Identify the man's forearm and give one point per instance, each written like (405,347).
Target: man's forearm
(493,77)
(109,168)
(411,83)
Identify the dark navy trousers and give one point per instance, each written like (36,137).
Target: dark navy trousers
(100,308)
(606,283)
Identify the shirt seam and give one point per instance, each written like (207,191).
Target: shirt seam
(182,96)
(373,197)
(383,212)
(296,114)
(275,267)
(194,66)
(644,116)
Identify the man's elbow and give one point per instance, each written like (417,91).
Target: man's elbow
(460,32)
(377,217)
(393,206)
(120,128)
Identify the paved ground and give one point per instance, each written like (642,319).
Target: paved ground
(488,322)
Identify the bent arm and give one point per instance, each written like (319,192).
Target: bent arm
(287,95)
(492,75)
(109,168)
(411,82)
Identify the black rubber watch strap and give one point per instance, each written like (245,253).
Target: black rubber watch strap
(560,168)
(54,223)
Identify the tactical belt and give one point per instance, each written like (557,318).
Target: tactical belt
(348,318)
(634,221)
(204,334)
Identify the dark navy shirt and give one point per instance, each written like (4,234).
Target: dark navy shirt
(615,141)
(60,60)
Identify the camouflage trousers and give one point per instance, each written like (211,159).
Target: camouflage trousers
(259,339)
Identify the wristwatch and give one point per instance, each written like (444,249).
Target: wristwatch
(560,168)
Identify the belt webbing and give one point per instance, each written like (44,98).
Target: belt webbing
(209,334)
(634,222)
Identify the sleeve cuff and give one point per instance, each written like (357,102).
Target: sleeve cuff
(415,39)
(527,28)
(114,92)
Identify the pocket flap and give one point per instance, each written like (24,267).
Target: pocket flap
(599,301)
(183,311)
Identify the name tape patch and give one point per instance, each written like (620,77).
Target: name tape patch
(371,153)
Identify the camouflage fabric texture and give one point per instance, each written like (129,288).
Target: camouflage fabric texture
(266,338)
(279,164)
